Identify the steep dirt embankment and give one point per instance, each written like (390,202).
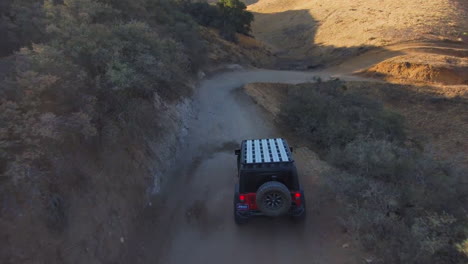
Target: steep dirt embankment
(428,68)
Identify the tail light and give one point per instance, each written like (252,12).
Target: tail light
(242,198)
(297,196)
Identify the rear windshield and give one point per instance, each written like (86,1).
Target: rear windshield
(251,181)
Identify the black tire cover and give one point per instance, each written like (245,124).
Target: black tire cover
(279,192)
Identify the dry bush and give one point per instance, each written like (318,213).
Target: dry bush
(401,203)
(415,216)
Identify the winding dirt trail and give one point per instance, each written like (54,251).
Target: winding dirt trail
(192,222)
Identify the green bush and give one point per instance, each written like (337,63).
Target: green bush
(330,117)
(235,16)
(97,56)
(229,16)
(379,159)
(90,85)
(22,22)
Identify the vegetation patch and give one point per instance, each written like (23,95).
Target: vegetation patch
(330,117)
(228,16)
(100,60)
(93,84)
(400,202)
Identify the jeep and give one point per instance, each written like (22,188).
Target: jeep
(268,182)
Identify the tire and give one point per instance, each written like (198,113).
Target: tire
(273,198)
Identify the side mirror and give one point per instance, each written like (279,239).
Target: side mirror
(237,152)
(291,149)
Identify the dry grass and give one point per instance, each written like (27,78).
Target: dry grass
(435,115)
(247,51)
(295,26)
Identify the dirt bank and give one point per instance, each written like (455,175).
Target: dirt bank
(427,68)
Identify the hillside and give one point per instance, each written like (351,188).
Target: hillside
(331,29)
(93,108)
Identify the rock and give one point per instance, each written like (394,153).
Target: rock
(234,67)
(201,75)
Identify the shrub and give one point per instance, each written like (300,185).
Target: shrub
(379,159)
(229,16)
(22,22)
(401,203)
(93,92)
(330,117)
(96,75)
(234,15)
(417,217)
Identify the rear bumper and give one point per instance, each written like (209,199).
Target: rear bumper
(294,211)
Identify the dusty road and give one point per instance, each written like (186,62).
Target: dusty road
(192,221)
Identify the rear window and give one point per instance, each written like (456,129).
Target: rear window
(251,181)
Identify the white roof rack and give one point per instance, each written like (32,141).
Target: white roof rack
(266,151)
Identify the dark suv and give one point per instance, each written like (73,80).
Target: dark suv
(268,182)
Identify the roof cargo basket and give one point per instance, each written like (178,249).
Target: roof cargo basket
(265,151)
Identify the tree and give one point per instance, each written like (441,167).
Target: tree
(21,23)
(228,16)
(235,16)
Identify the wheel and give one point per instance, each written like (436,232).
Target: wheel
(273,198)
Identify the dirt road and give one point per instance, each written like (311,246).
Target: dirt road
(192,221)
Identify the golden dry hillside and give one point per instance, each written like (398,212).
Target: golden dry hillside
(310,28)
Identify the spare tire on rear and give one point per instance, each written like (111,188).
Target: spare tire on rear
(273,198)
